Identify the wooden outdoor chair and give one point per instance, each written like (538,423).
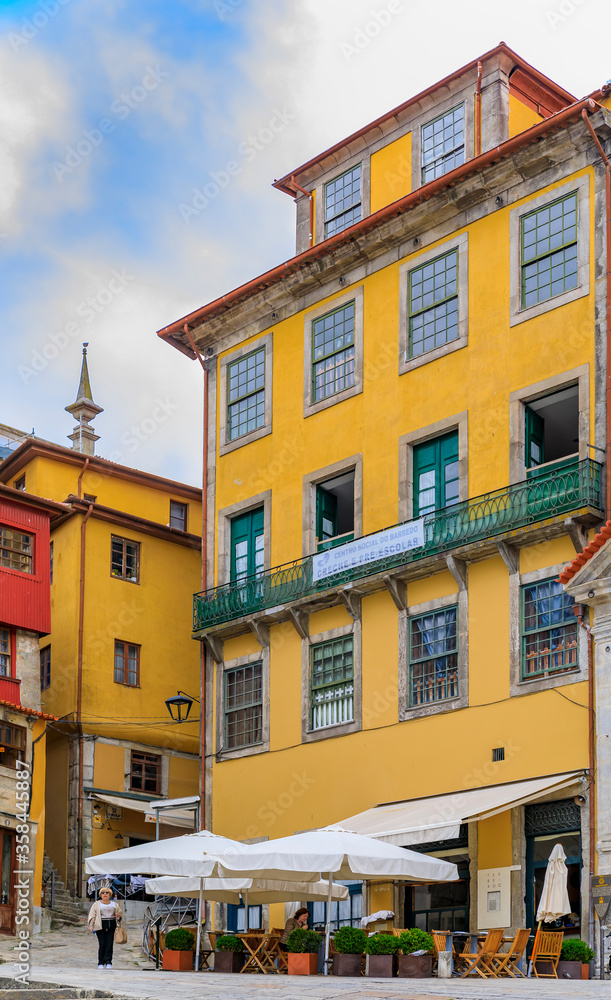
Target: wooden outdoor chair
(481,963)
(439,944)
(505,963)
(282,962)
(547,950)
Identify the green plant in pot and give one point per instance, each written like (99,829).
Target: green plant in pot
(178,950)
(575,958)
(415,966)
(349,944)
(302,946)
(228,956)
(382,949)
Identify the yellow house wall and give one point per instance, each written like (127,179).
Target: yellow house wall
(494,841)
(37,806)
(391,172)
(56,796)
(109,767)
(56,480)
(521,116)
(312,784)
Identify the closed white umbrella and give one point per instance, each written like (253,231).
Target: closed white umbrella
(554,902)
(341,854)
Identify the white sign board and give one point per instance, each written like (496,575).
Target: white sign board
(493,898)
(369,549)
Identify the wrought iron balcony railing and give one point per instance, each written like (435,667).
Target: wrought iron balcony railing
(551,494)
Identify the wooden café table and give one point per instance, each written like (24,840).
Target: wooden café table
(261,951)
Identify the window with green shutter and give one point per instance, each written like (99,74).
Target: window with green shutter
(335,511)
(435,473)
(549,251)
(247,544)
(333,357)
(332,682)
(246,394)
(433,304)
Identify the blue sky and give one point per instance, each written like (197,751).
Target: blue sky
(112,114)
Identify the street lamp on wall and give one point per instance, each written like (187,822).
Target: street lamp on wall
(180,705)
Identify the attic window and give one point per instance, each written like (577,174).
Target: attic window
(442,144)
(342,201)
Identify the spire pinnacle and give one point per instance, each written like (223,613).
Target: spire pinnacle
(84,410)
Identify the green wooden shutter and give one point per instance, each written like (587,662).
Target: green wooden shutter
(534,438)
(326,516)
(436,474)
(247,544)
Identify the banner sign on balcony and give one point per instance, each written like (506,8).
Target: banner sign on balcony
(369,549)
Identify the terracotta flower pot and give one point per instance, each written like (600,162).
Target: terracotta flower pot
(302,963)
(177,961)
(382,966)
(572,970)
(346,965)
(415,966)
(228,961)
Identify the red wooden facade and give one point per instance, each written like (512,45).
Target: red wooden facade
(25,597)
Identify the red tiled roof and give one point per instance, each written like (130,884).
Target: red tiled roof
(597,543)
(28,711)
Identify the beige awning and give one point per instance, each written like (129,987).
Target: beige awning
(438,817)
(183,818)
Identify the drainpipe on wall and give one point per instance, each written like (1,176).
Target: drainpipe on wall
(578,612)
(79,696)
(309,195)
(478,111)
(605,159)
(202,667)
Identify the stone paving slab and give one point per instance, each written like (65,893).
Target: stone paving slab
(151,985)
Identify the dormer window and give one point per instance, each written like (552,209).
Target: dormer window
(442,144)
(343,201)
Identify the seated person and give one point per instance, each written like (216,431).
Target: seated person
(300,919)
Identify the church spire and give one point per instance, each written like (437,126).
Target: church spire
(84,409)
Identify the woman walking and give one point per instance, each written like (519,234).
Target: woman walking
(102,920)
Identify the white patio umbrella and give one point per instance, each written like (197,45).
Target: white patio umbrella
(192,854)
(341,854)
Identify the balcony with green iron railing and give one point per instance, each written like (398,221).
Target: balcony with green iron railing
(553,494)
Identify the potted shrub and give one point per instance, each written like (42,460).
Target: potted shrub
(228,956)
(349,943)
(178,950)
(382,950)
(302,946)
(575,959)
(415,966)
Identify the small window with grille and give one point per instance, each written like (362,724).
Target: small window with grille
(332,682)
(178,515)
(243,708)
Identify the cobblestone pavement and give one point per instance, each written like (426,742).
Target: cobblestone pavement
(67,957)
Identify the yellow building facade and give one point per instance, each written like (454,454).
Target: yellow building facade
(406,435)
(126,556)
